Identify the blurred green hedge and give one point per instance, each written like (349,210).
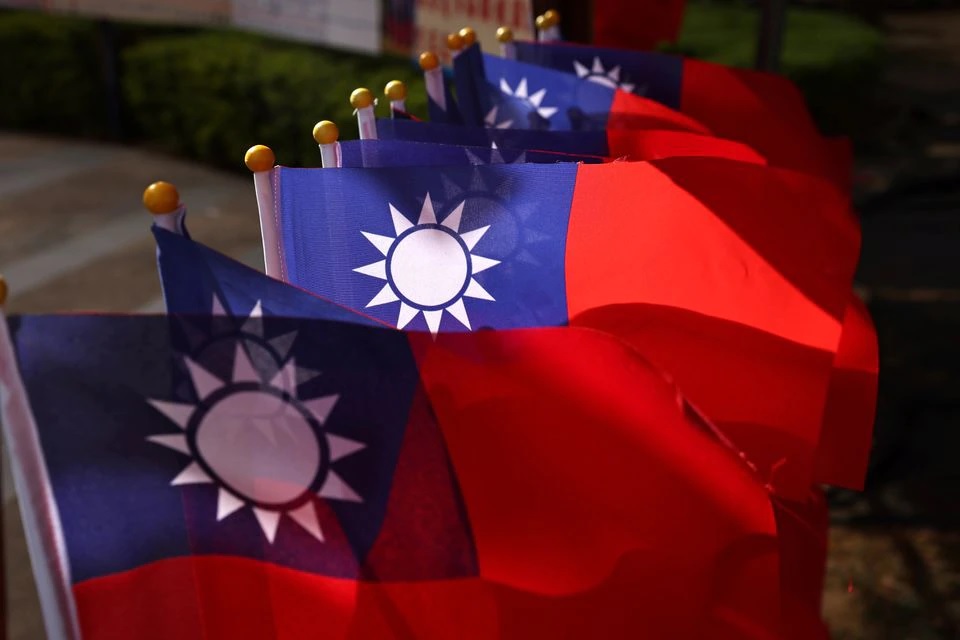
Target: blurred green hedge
(204,94)
(211,96)
(50,75)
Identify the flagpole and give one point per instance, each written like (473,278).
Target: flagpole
(261,161)
(454,44)
(362,101)
(433,78)
(3,538)
(396,93)
(326,134)
(773,19)
(507,49)
(468,36)
(163,201)
(31,481)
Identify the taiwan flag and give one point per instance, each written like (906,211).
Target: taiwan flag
(243,475)
(504,94)
(624,144)
(801,524)
(763,110)
(733,277)
(406,153)
(841,458)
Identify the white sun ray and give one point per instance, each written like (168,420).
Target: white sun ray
(336,488)
(471,238)
(458,311)
(341,447)
(286,467)
(193,474)
(432,266)
(385,296)
(382,243)
(535,101)
(599,74)
(179,414)
(204,382)
(427,216)
(321,407)
(491,121)
(306,517)
(482,264)
(176,441)
(227,503)
(269,521)
(283,344)
(477,291)
(243,370)
(407,314)
(400,222)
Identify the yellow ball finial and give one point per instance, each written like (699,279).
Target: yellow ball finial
(395,90)
(468,36)
(504,35)
(551,17)
(454,42)
(260,158)
(541,23)
(429,61)
(160,198)
(361,98)
(3,291)
(325,132)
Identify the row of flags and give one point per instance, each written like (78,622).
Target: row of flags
(570,359)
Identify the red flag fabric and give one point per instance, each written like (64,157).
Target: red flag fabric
(655,144)
(766,389)
(802,526)
(636,24)
(850,410)
(767,112)
(565,514)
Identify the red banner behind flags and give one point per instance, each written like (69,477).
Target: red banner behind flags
(636,24)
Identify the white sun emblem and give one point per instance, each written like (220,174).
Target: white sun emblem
(597,73)
(534,102)
(429,267)
(259,442)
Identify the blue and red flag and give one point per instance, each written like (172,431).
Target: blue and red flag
(851,401)
(627,144)
(269,478)
(502,93)
(763,110)
(407,153)
(696,273)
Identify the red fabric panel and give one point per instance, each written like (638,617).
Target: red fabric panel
(629,111)
(851,403)
(765,111)
(803,527)
(734,283)
(656,144)
(579,467)
(725,239)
